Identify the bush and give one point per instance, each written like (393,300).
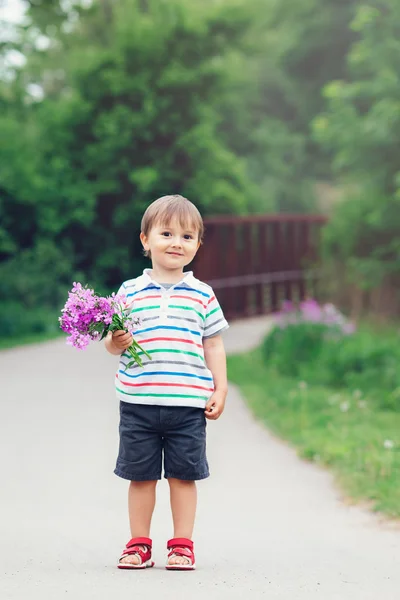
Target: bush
(299,339)
(16,320)
(367,361)
(33,287)
(313,345)
(293,349)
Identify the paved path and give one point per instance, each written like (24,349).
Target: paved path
(268,524)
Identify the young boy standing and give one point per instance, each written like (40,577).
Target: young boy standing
(164,405)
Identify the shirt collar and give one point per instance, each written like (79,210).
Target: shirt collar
(145,280)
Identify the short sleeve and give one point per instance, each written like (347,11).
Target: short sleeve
(215,321)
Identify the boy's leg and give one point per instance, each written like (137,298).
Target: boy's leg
(185,463)
(139,460)
(183,495)
(141,502)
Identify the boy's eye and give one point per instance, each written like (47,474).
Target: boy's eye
(187,236)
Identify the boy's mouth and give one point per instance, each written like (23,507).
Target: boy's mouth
(175,253)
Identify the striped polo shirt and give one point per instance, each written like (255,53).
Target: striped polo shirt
(173,323)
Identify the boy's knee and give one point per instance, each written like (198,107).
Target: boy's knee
(144,484)
(180,482)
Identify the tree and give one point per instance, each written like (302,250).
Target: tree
(362,128)
(297,49)
(126,113)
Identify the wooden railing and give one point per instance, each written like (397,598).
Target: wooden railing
(255,262)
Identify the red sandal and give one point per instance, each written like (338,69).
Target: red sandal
(134,547)
(181,547)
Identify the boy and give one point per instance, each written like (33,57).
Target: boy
(164,405)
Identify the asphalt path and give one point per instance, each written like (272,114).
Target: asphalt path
(268,525)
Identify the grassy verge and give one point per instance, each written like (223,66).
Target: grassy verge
(7,343)
(357,441)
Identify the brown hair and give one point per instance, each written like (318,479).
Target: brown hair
(164,209)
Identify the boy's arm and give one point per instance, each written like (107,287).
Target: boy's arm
(214,354)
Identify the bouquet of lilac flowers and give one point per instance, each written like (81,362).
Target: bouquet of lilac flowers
(86,317)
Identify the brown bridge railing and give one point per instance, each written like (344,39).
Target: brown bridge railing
(255,262)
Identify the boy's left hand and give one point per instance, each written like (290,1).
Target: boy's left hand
(215,406)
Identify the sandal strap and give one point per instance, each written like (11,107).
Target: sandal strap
(140,541)
(185,552)
(180,542)
(138,551)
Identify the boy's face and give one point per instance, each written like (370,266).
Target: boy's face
(172,247)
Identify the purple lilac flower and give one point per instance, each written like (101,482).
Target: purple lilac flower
(287,306)
(86,315)
(309,311)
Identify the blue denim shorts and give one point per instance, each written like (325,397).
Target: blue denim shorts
(147,433)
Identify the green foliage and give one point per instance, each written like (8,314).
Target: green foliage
(366,360)
(298,48)
(33,286)
(126,113)
(364,234)
(31,277)
(16,321)
(361,126)
(139,122)
(293,349)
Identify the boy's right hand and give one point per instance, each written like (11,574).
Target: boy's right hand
(121,339)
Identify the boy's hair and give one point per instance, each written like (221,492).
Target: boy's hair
(164,209)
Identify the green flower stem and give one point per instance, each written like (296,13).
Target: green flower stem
(136,358)
(134,348)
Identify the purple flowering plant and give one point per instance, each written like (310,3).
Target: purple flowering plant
(88,317)
(306,334)
(309,311)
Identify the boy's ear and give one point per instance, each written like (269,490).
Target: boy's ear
(143,239)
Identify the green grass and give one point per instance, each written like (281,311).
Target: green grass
(35,338)
(338,429)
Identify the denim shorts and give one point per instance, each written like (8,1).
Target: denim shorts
(148,432)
